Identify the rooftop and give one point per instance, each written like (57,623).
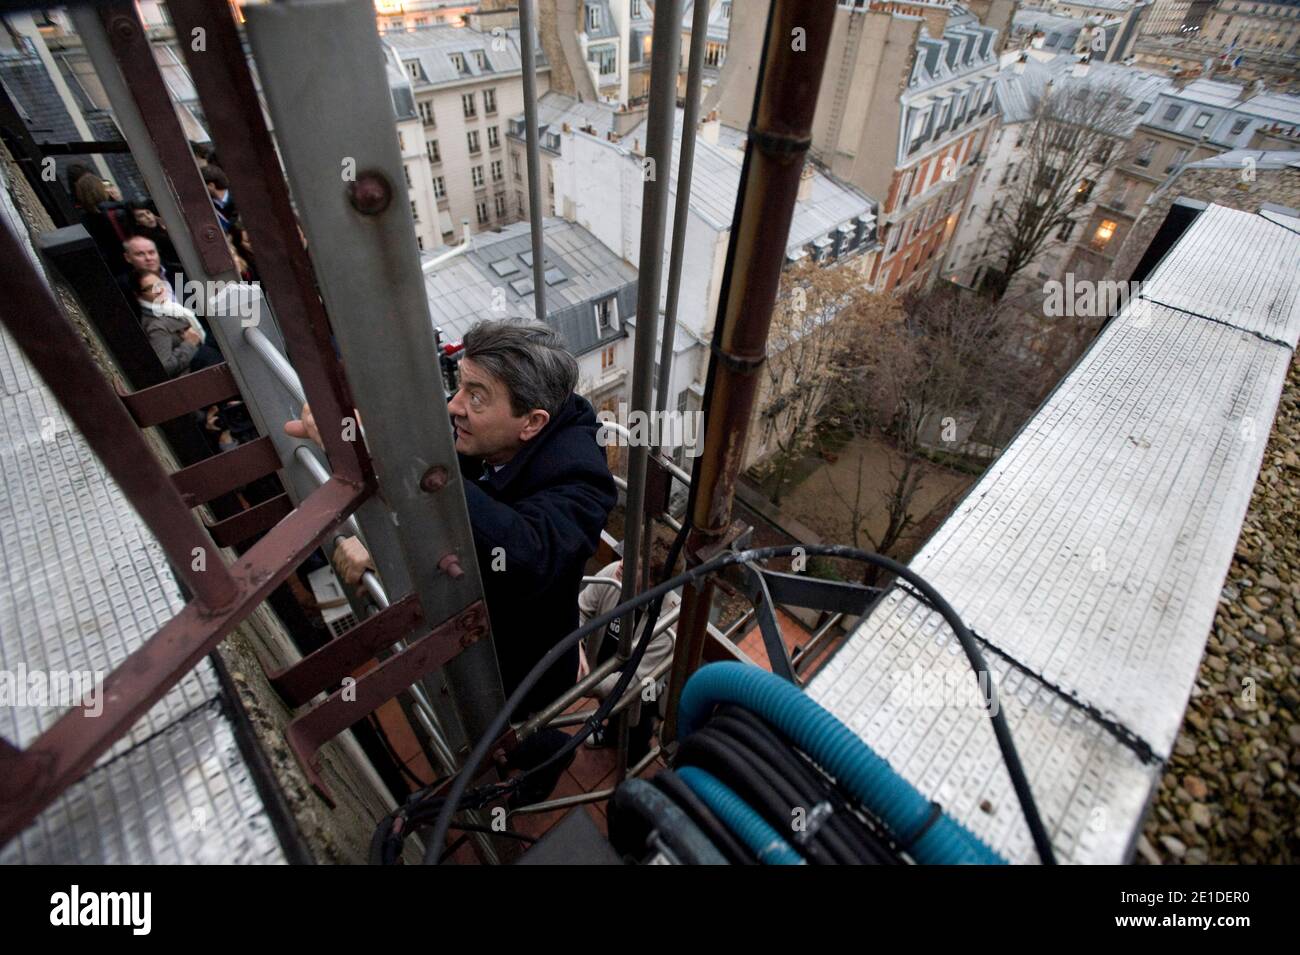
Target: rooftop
(495,279)
(481,55)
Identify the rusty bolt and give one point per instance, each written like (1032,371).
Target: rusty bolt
(370,194)
(435,479)
(450,565)
(210,234)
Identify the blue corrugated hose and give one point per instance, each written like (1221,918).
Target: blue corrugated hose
(748,826)
(837,749)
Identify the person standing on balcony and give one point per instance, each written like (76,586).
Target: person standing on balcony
(539,492)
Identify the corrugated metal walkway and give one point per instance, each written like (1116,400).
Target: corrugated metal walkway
(1090,557)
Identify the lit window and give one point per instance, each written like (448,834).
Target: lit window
(1105,232)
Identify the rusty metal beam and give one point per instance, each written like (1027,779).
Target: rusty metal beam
(171,399)
(348,704)
(780,134)
(250,161)
(212,477)
(237,528)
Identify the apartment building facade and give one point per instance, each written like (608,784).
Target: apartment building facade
(975,254)
(906,103)
(1268,25)
(401,15)
(1176,17)
(1203,119)
(463,85)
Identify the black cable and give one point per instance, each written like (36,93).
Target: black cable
(672,786)
(773,801)
(815,831)
(874,840)
(1006,744)
(846,843)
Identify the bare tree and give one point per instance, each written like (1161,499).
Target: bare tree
(925,370)
(1076,135)
(819,312)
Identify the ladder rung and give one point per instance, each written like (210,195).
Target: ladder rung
(210,478)
(171,399)
(261,517)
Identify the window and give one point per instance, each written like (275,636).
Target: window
(607,358)
(1125,103)
(501,207)
(419,240)
(413,69)
(605,58)
(439,188)
(1202,121)
(636,9)
(415,213)
(494,137)
(1084,191)
(481,209)
(1180,156)
(476,176)
(458,61)
(497,175)
(715,54)
(1105,232)
(1172,113)
(593,19)
(1239,127)
(471,137)
(426,114)
(481,60)
(467,105)
(1144,155)
(1063,233)
(406,174)
(519,203)
(1143,107)
(606,314)
(401,142)
(431,150)
(489,101)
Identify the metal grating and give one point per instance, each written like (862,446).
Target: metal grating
(1092,552)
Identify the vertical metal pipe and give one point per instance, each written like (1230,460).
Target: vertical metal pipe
(780,133)
(527,41)
(665,53)
(682,208)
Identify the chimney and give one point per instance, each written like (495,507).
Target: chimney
(805,182)
(936,20)
(1081,68)
(709,128)
(1037,40)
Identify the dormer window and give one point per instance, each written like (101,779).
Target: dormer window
(413,69)
(481,60)
(606,315)
(593,19)
(458,61)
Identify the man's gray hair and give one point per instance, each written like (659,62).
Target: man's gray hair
(529,358)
